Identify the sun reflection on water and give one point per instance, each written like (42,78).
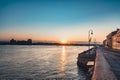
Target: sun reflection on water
(63,61)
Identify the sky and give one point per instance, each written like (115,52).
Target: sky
(53,20)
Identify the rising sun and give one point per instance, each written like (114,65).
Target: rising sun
(63,41)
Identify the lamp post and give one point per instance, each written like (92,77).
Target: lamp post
(90,32)
(95,43)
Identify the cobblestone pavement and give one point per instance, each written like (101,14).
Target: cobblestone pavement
(113,59)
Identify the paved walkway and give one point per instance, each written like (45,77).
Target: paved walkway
(102,70)
(113,58)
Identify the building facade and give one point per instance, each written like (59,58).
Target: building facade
(113,40)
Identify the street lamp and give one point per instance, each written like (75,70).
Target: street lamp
(90,32)
(95,43)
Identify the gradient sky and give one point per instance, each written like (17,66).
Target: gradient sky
(58,19)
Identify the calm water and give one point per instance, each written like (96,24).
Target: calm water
(40,62)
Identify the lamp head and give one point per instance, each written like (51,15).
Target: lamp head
(92,33)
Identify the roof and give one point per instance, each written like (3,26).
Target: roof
(113,33)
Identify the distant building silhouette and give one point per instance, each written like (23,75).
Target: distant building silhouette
(12,42)
(22,42)
(29,41)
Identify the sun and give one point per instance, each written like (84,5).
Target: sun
(63,41)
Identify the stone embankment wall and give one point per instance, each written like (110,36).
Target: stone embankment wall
(86,60)
(100,70)
(85,57)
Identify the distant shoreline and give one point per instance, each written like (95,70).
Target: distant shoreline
(57,44)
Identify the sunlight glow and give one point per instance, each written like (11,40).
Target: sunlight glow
(63,41)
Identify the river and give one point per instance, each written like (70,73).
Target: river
(40,62)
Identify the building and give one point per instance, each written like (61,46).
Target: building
(113,40)
(29,41)
(12,42)
(116,40)
(105,43)
(21,42)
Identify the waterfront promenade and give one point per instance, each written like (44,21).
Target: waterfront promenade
(113,58)
(107,64)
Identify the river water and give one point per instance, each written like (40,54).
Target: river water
(40,62)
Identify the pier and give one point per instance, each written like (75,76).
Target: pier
(106,63)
